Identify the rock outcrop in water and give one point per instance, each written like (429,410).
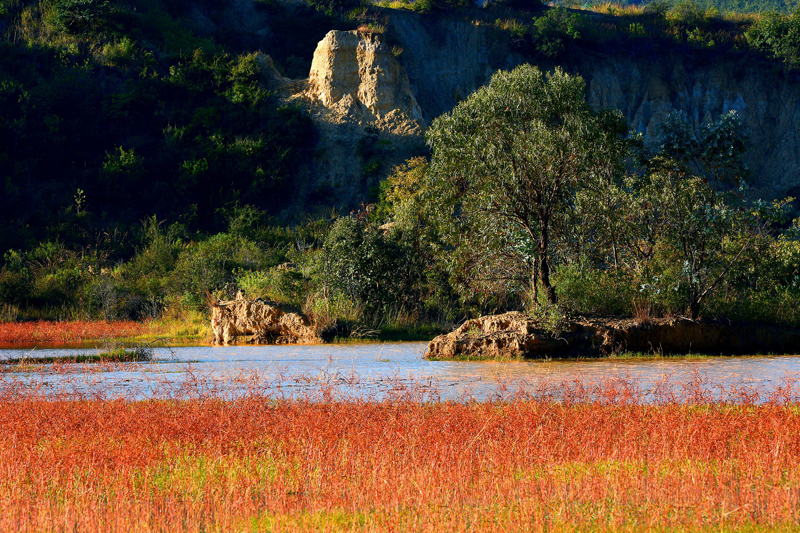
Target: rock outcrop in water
(260,322)
(514,335)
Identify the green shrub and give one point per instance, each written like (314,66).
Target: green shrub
(15,287)
(210,265)
(333,6)
(555,29)
(688,15)
(285,286)
(76,16)
(778,36)
(120,53)
(428,6)
(590,291)
(375,270)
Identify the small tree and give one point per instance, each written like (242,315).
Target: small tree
(694,189)
(506,162)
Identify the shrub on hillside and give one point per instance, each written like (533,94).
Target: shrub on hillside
(210,265)
(777,35)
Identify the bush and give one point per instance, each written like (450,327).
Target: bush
(687,14)
(428,6)
(333,6)
(590,291)
(283,286)
(15,287)
(375,270)
(778,36)
(211,264)
(556,28)
(76,16)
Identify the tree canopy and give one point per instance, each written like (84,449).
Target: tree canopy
(507,161)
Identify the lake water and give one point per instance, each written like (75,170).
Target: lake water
(381,370)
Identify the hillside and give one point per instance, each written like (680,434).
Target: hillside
(132,134)
(113,111)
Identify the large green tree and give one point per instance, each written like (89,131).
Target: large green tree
(506,163)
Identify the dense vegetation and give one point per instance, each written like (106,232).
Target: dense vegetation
(615,456)
(144,161)
(112,112)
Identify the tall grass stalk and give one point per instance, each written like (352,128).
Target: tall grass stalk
(599,459)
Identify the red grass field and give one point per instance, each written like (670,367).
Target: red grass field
(46,331)
(261,464)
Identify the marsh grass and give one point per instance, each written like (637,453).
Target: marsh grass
(571,456)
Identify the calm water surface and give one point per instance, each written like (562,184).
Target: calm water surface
(378,370)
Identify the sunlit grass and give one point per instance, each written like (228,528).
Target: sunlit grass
(603,462)
(176,328)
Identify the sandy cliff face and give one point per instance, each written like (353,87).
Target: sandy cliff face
(447,60)
(355,75)
(359,92)
(368,117)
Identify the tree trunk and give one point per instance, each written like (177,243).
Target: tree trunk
(544,263)
(694,309)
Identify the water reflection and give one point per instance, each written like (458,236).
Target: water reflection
(381,370)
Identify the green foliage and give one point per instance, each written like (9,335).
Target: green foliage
(687,14)
(429,6)
(593,291)
(555,29)
(491,177)
(202,133)
(777,35)
(77,16)
(698,224)
(376,271)
(281,285)
(211,265)
(333,6)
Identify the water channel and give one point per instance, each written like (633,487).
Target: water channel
(381,370)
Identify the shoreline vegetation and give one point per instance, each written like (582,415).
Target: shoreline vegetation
(631,229)
(138,354)
(570,456)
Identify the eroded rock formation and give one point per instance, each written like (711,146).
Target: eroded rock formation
(508,335)
(371,101)
(514,334)
(261,323)
(356,76)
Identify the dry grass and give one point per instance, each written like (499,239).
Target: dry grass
(602,462)
(180,327)
(46,331)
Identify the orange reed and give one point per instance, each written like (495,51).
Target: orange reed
(46,331)
(256,463)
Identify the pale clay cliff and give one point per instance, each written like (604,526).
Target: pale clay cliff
(356,76)
(356,82)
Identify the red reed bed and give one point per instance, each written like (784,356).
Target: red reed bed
(45,331)
(262,464)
